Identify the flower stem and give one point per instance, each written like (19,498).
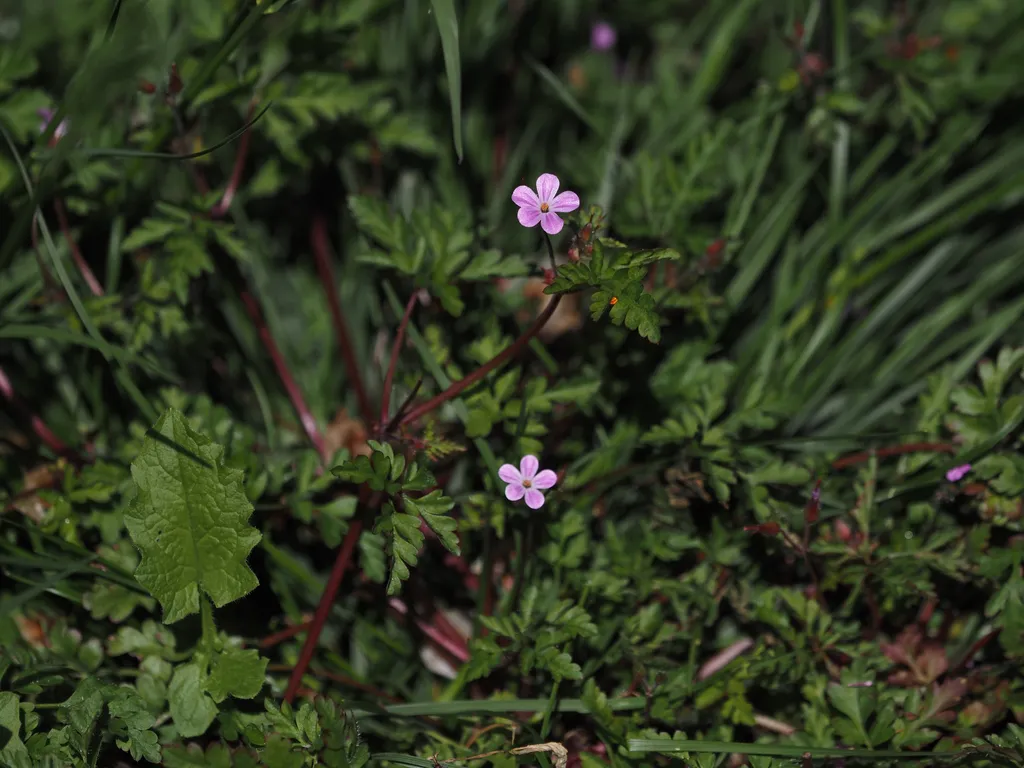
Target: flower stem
(76,254)
(309,425)
(316,626)
(43,432)
(385,399)
(495,362)
(322,256)
(236,172)
(892,450)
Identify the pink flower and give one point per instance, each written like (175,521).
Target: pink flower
(47,116)
(527,481)
(956,473)
(543,206)
(602,36)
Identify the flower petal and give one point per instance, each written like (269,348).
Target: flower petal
(534,499)
(545,479)
(565,202)
(529,466)
(509,473)
(529,217)
(514,491)
(525,197)
(549,222)
(547,187)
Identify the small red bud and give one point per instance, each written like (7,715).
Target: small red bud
(147,87)
(814,505)
(549,276)
(843,531)
(174,85)
(574,255)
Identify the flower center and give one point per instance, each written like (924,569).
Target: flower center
(544,208)
(527,484)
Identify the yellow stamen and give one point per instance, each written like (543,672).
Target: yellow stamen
(614,301)
(544,208)
(527,484)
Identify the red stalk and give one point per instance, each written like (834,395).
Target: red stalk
(498,360)
(322,256)
(385,398)
(323,609)
(252,307)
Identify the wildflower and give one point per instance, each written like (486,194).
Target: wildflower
(543,206)
(47,116)
(527,481)
(602,36)
(956,473)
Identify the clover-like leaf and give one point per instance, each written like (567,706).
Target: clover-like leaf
(189,519)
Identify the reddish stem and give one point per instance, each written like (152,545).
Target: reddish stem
(43,432)
(279,637)
(236,173)
(76,255)
(323,609)
(322,256)
(385,398)
(294,394)
(498,360)
(892,450)
(452,646)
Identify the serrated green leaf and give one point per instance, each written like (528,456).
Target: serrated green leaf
(150,231)
(374,217)
(189,519)
(433,508)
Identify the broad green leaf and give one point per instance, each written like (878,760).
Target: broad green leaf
(190,520)
(13,752)
(236,673)
(191,708)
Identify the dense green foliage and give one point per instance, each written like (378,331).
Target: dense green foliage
(269,327)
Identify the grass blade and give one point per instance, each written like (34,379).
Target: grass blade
(448,26)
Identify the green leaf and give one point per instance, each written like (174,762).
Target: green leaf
(85,705)
(189,519)
(236,673)
(132,723)
(433,508)
(630,306)
(375,217)
(448,26)
(492,263)
(191,708)
(12,748)
(153,230)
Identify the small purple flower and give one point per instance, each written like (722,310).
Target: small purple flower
(527,481)
(47,116)
(543,206)
(956,473)
(602,36)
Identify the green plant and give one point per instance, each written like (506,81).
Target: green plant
(270,331)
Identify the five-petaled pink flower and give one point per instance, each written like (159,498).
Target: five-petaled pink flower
(543,206)
(956,473)
(527,481)
(602,36)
